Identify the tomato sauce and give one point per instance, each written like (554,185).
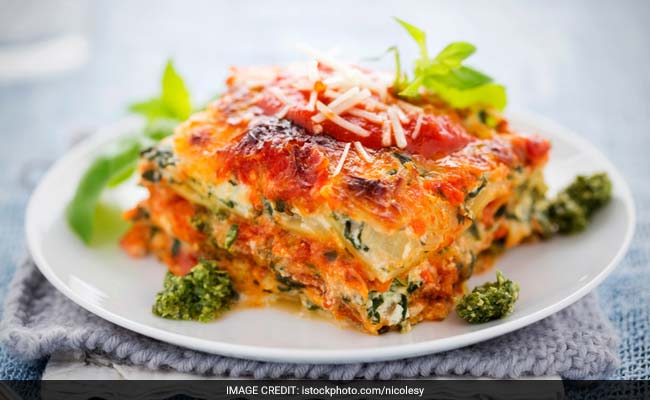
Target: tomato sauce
(438,135)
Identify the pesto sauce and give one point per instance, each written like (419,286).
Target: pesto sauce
(201,295)
(490,301)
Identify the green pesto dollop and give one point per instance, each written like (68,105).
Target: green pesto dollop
(201,295)
(590,192)
(490,301)
(571,210)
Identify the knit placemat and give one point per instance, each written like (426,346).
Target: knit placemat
(577,342)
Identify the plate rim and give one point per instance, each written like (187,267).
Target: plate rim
(293,355)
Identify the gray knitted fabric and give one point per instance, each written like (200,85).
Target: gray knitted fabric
(577,343)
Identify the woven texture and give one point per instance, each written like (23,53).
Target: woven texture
(626,296)
(575,343)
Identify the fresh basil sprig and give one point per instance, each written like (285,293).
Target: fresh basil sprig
(117,165)
(173,103)
(445,75)
(81,210)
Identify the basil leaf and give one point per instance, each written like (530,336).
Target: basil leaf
(175,95)
(80,212)
(231,236)
(163,114)
(174,101)
(491,94)
(401,80)
(444,75)
(151,109)
(418,35)
(464,78)
(412,90)
(454,54)
(156,130)
(123,175)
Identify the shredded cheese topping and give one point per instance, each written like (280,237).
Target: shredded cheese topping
(418,125)
(339,166)
(402,117)
(279,95)
(398,131)
(386,139)
(311,104)
(337,90)
(372,117)
(283,112)
(312,72)
(343,123)
(408,107)
(344,102)
(362,152)
(351,76)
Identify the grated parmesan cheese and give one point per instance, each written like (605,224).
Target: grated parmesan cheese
(311,104)
(402,117)
(339,166)
(303,86)
(312,72)
(329,114)
(334,81)
(373,105)
(408,107)
(332,94)
(283,112)
(418,125)
(347,91)
(372,117)
(362,152)
(279,95)
(344,102)
(350,75)
(386,134)
(398,131)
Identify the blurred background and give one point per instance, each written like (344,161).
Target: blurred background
(70,66)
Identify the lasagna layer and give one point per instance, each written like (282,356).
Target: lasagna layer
(378,236)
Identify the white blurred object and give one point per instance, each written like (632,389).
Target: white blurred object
(41,38)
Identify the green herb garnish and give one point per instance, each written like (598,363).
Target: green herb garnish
(174,101)
(403,158)
(286,284)
(445,75)
(151,175)
(80,212)
(280,205)
(352,232)
(572,208)
(176,247)
(231,236)
(382,306)
(228,203)
(118,164)
(476,191)
(375,299)
(490,301)
(590,192)
(201,295)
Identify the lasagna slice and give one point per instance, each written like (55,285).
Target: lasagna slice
(317,184)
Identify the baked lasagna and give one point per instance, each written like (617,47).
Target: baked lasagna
(317,183)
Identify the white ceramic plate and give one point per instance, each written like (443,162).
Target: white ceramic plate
(102,279)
